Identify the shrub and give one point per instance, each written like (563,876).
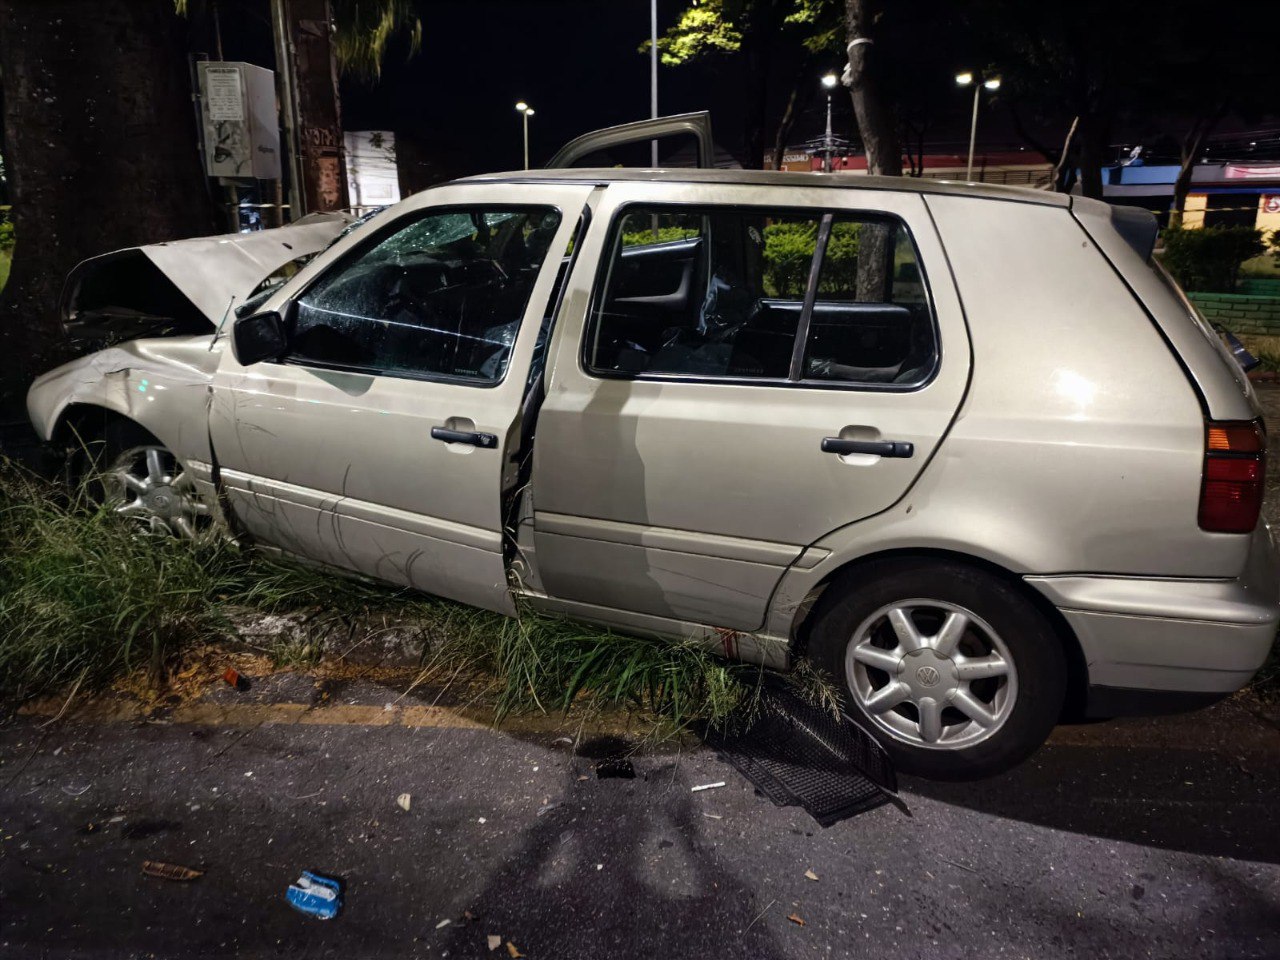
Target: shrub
(640,238)
(1208,259)
(6,232)
(788,253)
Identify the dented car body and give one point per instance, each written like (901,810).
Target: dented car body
(963,445)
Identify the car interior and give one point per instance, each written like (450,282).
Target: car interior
(442,296)
(725,298)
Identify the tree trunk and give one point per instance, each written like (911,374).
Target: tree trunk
(100,140)
(875,120)
(759,36)
(801,93)
(1062,179)
(1053,156)
(1192,148)
(1093,134)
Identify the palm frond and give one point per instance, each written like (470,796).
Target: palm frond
(364,28)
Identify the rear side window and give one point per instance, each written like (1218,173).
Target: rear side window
(760,294)
(440,297)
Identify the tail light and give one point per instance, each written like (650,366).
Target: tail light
(1235,466)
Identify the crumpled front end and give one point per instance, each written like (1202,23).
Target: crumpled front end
(161,384)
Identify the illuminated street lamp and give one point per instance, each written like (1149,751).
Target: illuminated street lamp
(992,84)
(527,110)
(829,81)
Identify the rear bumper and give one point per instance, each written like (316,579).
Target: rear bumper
(1143,636)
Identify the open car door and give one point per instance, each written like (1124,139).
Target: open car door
(695,125)
(381,439)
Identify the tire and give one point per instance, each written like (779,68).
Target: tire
(160,496)
(937,701)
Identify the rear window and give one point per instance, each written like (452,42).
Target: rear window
(731,293)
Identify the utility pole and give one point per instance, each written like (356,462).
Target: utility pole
(991,83)
(304,51)
(527,111)
(653,74)
(829,82)
(288,109)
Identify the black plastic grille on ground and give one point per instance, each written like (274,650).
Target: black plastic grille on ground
(797,754)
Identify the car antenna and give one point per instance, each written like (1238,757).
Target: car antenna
(225,313)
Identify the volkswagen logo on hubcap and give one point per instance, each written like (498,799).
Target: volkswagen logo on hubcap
(927,676)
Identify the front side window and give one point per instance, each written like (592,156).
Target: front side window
(752,293)
(440,297)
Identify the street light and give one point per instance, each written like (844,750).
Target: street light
(829,81)
(653,79)
(993,84)
(527,110)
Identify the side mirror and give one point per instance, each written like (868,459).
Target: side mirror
(259,337)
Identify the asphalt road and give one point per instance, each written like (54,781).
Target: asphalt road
(1145,838)
(1126,839)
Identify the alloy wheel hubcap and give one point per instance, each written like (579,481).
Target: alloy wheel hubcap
(931,674)
(148,484)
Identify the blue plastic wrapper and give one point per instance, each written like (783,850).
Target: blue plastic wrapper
(316,895)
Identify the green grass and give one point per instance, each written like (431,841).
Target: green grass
(86,599)
(1268,361)
(82,599)
(6,259)
(1264,266)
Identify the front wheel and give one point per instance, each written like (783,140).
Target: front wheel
(951,668)
(143,481)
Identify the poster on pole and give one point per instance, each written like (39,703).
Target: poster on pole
(223,94)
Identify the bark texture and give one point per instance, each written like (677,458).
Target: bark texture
(876,123)
(101,147)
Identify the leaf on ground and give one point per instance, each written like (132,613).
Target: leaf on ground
(810,875)
(797,920)
(403,802)
(513,951)
(494,943)
(169,871)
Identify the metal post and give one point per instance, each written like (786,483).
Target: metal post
(653,74)
(525,113)
(973,127)
(829,141)
(288,107)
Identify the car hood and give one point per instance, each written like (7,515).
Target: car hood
(184,286)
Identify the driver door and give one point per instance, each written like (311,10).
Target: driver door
(382,440)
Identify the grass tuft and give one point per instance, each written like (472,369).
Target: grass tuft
(85,598)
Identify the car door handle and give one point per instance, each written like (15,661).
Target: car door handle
(486,440)
(879,448)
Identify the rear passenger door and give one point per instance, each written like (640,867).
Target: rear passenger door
(749,369)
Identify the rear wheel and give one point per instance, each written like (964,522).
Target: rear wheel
(950,667)
(142,480)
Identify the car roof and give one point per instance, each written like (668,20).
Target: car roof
(777,178)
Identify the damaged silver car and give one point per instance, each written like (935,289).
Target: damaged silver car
(967,447)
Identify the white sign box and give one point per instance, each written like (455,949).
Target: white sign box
(241,130)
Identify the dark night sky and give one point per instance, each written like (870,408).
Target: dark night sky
(577,62)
